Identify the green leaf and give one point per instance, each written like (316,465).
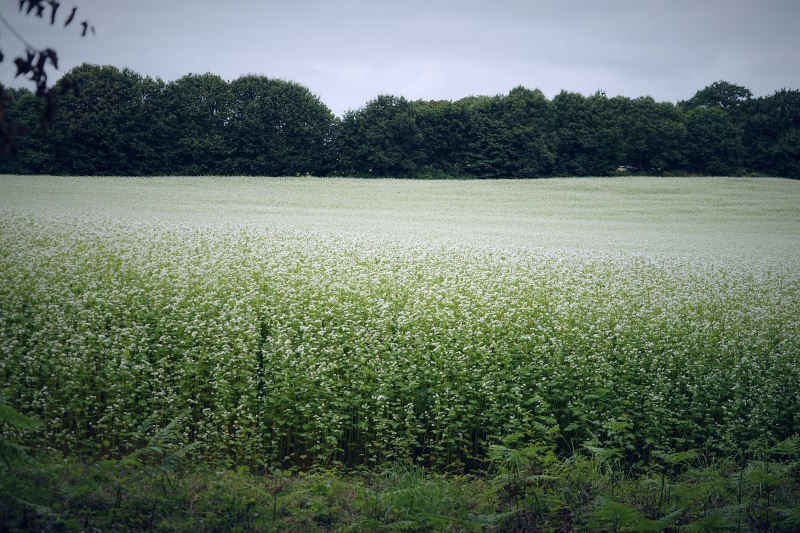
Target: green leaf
(10,416)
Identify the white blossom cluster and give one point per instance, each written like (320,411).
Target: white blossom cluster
(303,347)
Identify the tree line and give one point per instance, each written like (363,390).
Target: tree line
(117,122)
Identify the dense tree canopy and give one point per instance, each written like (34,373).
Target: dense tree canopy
(771,133)
(122,123)
(381,139)
(106,127)
(587,135)
(714,141)
(720,95)
(195,111)
(277,127)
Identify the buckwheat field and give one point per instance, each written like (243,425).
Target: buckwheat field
(337,322)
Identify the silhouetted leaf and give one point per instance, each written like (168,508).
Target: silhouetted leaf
(23,66)
(51,54)
(32,5)
(53,10)
(70,17)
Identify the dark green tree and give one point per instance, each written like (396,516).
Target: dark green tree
(720,94)
(196,110)
(588,136)
(714,142)
(381,139)
(31,155)
(485,154)
(111,126)
(654,134)
(771,133)
(527,135)
(444,127)
(278,128)
(508,136)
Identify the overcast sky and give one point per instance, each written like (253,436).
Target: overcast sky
(348,52)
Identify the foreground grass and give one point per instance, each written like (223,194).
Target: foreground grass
(526,489)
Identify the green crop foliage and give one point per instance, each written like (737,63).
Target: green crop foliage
(327,344)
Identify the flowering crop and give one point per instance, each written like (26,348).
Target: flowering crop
(314,347)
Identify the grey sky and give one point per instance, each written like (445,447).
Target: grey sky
(348,52)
